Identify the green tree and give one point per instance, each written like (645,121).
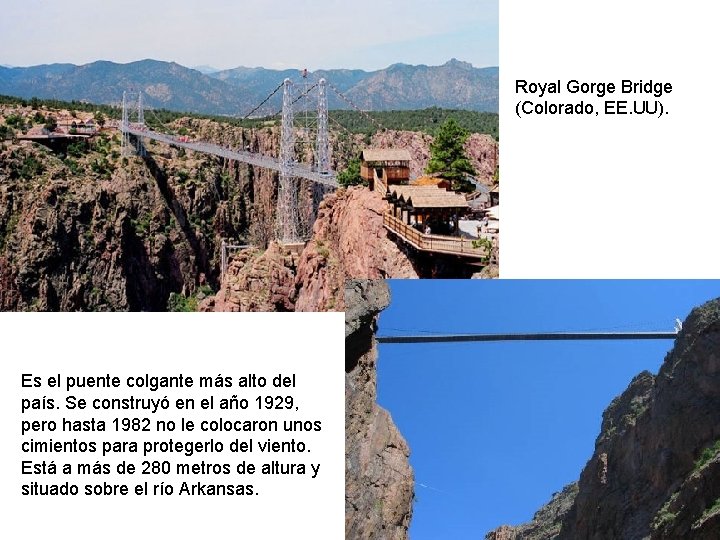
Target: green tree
(76,149)
(15,120)
(100,119)
(351,175)
(51,123)
(447,155)
(179,302)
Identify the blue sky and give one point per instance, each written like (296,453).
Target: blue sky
(273,34)
(496,428)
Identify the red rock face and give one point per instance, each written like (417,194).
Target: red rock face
(257,281)
(379,483)
(655,472)
(349,241)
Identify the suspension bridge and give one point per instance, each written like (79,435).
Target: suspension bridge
(531,336)
(286,164)
(534,336)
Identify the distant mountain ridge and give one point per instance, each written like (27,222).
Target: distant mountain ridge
(169,85)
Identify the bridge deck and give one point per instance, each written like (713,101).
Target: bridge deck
(536,336)
(298,169)
(433,243)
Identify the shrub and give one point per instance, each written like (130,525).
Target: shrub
(16,121)
(102,167)
(76,149)
(180,303)
(6,132)
(351,175)
(707,454)
(50,123)
(31,168)
(73,166)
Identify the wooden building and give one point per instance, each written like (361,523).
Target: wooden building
(427,219)
(428,208)
(384,167)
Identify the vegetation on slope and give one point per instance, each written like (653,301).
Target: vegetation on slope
(425,120)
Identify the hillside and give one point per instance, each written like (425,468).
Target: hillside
(235,92)
(655,472)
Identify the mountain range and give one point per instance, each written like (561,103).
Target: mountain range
(237,91)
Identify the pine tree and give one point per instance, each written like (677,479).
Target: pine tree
(448,155)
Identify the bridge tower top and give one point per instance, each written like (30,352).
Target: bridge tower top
(287,129)
(140,109)
(124,126)
(323,143)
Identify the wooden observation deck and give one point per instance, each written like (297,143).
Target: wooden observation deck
(434,243)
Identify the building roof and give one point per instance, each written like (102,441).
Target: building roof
(429,181)
(385,154)
(428,197)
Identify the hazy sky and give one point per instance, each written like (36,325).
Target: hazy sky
(495,428)
(275,34)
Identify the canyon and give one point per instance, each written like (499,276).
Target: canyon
(655,471)
(100,231)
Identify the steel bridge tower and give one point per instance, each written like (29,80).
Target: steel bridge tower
(288,215)
(287,201)
(322,151)
(125,125)
(140,110)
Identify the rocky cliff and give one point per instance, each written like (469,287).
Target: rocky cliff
(378,478)
(655,472)
(348,241)
(97,231)
(84,228)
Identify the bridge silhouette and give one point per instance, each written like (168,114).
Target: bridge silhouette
(286,164)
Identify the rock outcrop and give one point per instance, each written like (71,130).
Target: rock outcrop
(546,522)
(378,478)
(655,472)
(257,281)
(348,242)
(101,232)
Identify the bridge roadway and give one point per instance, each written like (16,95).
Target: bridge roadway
(258,160)
(536,336)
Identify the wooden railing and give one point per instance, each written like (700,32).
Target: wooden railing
(433,242)
(380,184)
